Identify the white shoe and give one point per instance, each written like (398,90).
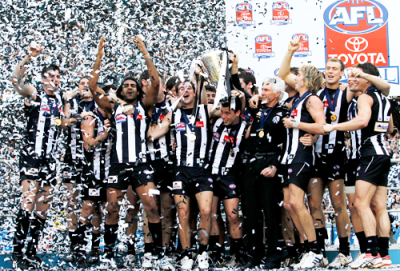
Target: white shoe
(312,260)
(106,264)
(166,263)
(356,263)
(186,263)
(340,260)
(202,260)
(147,260)
(302,260)
(324,262)
(130,261)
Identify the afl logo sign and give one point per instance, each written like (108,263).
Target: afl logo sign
(244,15)
(304,49)
(280,13)
(356,32)
(263,45)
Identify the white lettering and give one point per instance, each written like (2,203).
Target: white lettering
(359,58)
(380,58)
(345,57)
(340,16)
(356,13)
(371,55)
(332,56)
(371,16)
(352,58)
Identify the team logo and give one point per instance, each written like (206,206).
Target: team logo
(67,175)
(120,118)
(276,119)
(290,170)
(45,108)
(112,179)
(177,185)
(199,124)
(94,192)
(210,180)
(139,117)
(358,169)
(357,32)
(381,126)
(229,139)
(32,172)
(304,49)
(280,13)
(263,45)
(216,136)
(232,186)
(244,15)
(148,172)
(180,127)
(336,167)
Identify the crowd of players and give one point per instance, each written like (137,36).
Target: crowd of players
(163,145)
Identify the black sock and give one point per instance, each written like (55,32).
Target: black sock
(304,247)
(131,246)
(149,248)
(202,248)
(344,246)
(156,231)
(186,252)
(321,236)
(372,245)
(95,241)
(37,225)
(237,246)
(362,241)
(314,247)
(110,236)
(21,231)
(72,239)
(383,246)
(80,236)
(291,250)
(212,242)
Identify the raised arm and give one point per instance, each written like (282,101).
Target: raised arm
(98,93)
(18,74)
(152,92)
(284,70)
(378,82)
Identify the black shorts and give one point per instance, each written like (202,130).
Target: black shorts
(191,180)
(351,172)
(72,174)
(93,189)
(163,175)
(38,169)
(374,169)
(123,175)
(226,186)
(298,174)
(329,167)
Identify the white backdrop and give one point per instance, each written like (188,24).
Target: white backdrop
(353,30)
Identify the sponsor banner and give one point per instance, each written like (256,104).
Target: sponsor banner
(263,46)
(304,49)
(280,13)
(244,15)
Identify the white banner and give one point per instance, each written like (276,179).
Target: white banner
(353,30)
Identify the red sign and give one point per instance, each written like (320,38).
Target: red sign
(280,13)
(304,49)
(357,32)
(244,14)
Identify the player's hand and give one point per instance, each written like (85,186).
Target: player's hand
(294,44)
(288,122)
(307,140)
(234,58)
(107,125)
(353,72)
(253,102)
(343,86)
(328,128)
(35,49)
(69,95)
(139,43)
(128,109)
(236,93)
(269,172)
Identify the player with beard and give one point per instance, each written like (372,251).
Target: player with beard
(38,156)
(375,121)
(306,116)
(129,160)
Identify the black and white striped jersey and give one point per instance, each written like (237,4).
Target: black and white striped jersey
(129,145)
(191,151)
(373,136)
(43,125)
(97,159)
(296,152)
(74,151)
(355,136)
(161,147)
(333,142)
(223,151)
